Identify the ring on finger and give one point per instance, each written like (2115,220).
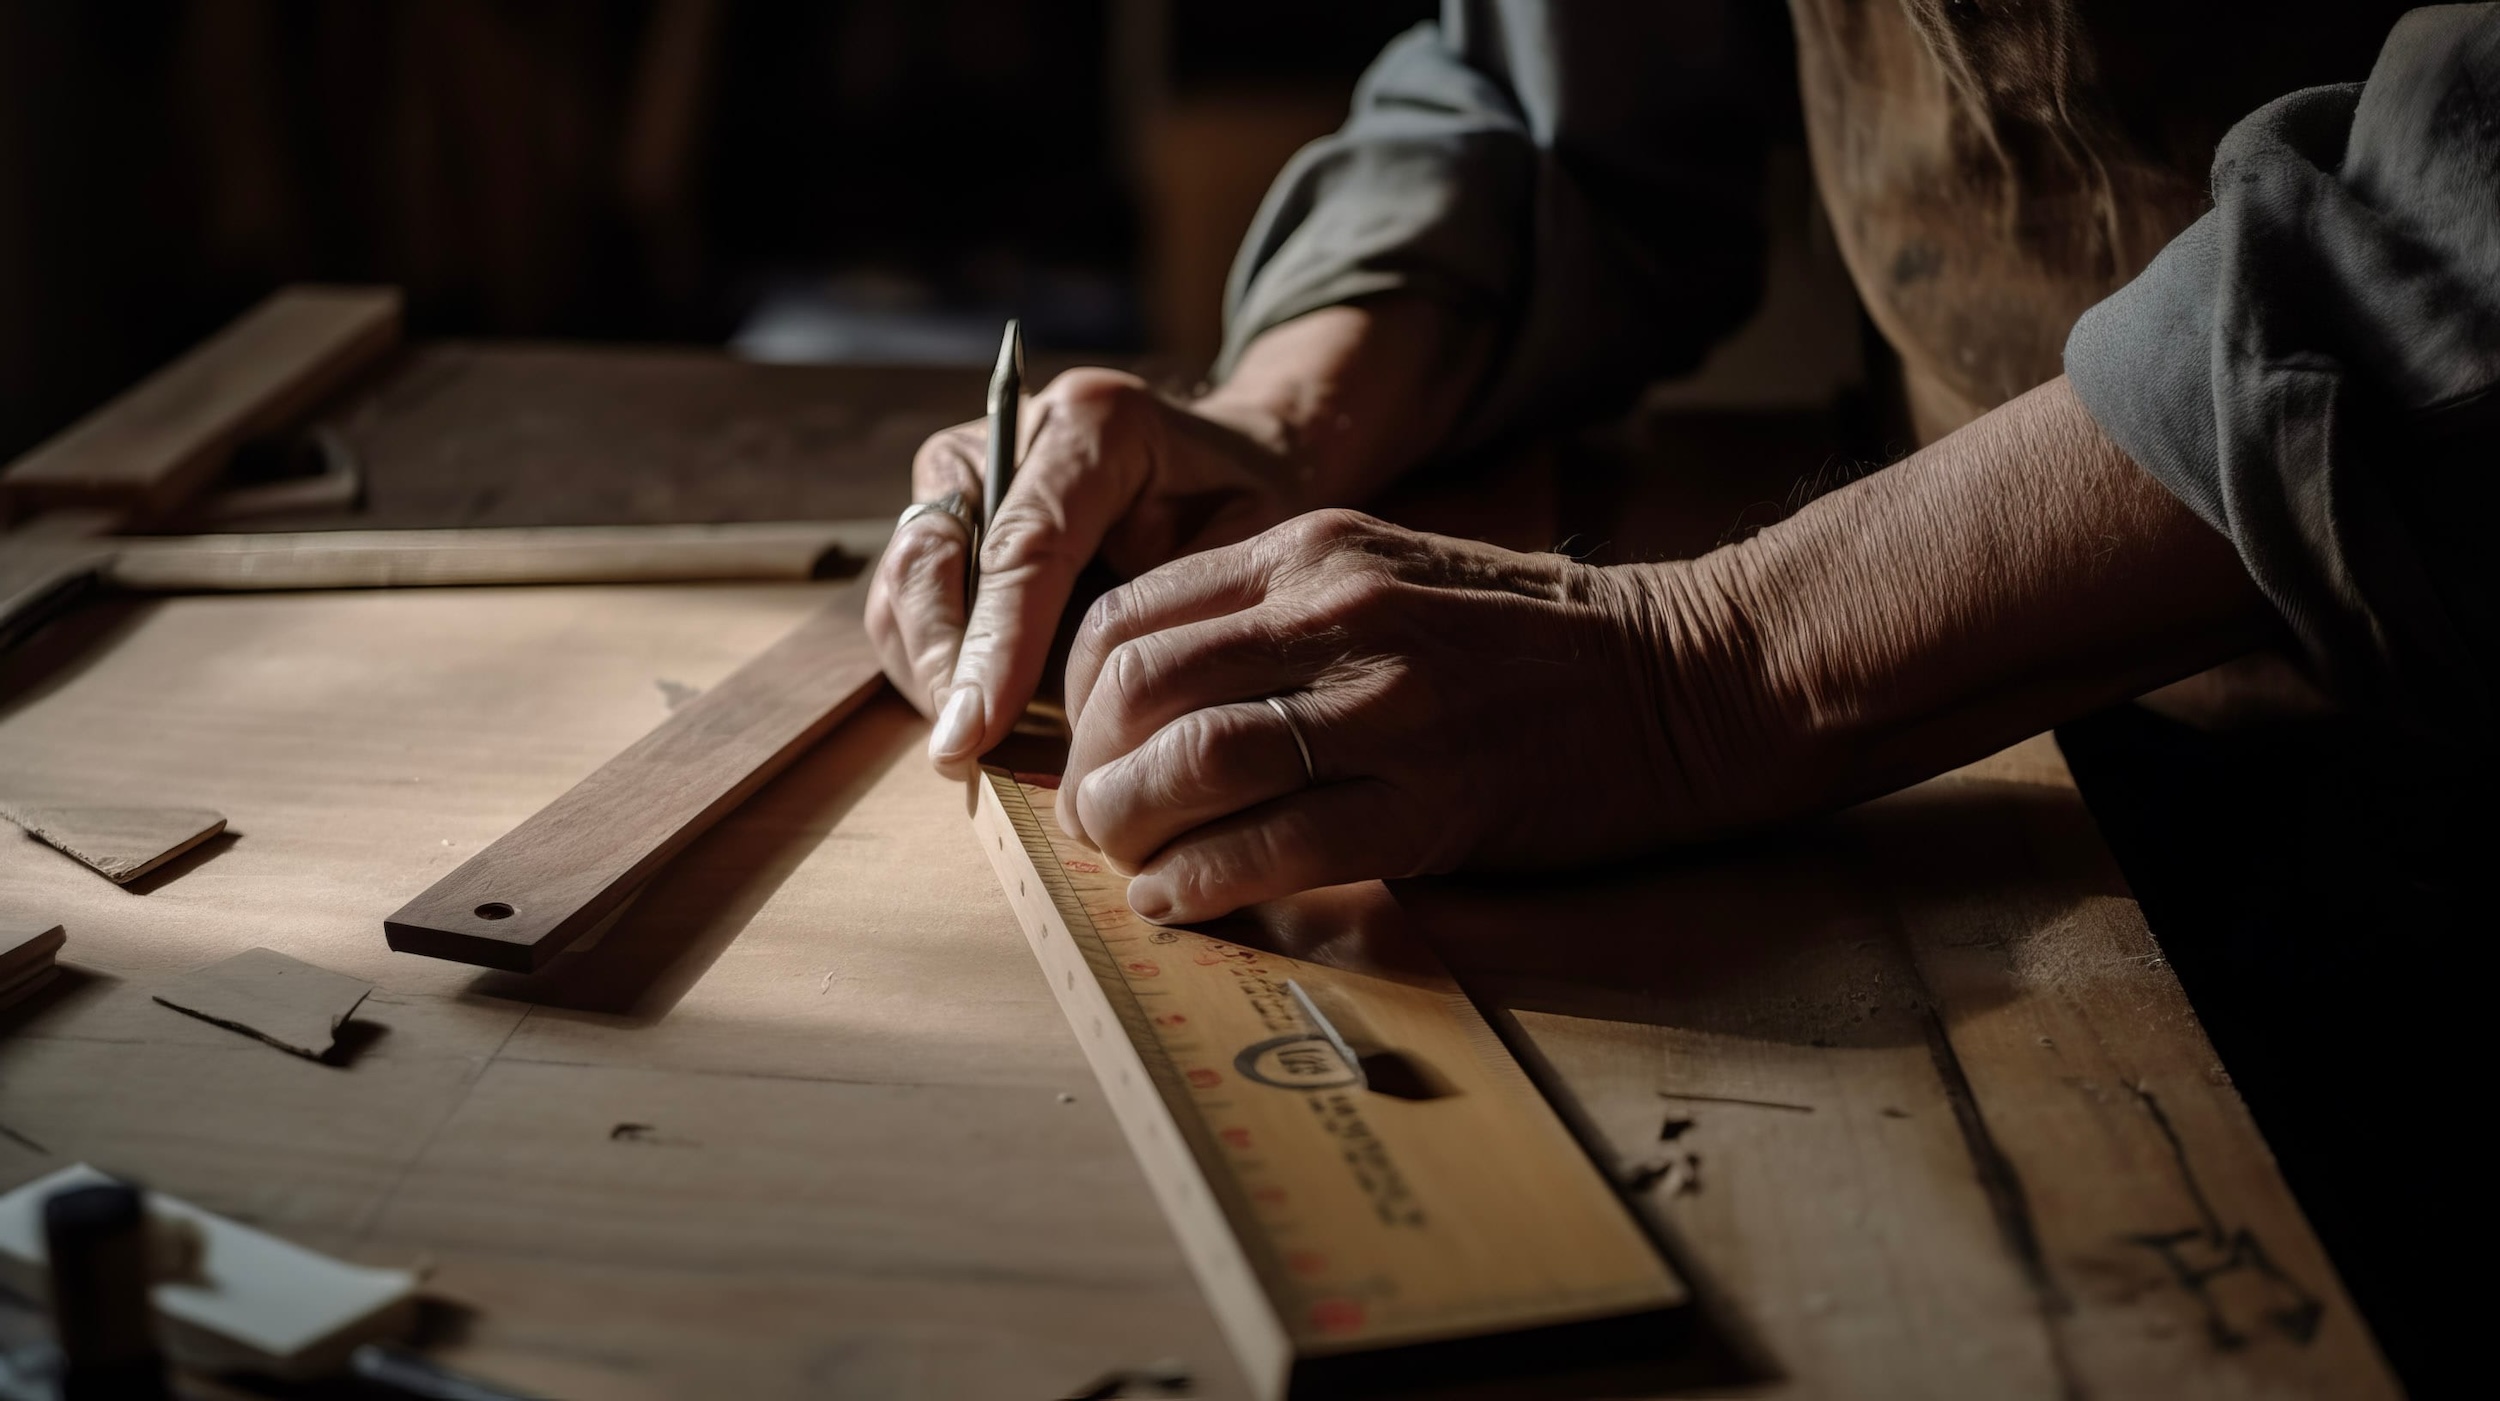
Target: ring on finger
(1310,776)
(953,507)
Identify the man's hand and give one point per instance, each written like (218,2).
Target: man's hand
(1464,705)
(1109,466)
(1326,408)
(1460,703)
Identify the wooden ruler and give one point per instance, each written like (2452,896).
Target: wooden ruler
(539,888)
(1369,1188)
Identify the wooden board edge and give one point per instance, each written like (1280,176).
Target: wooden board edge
(1234,1295)
(367,327)
(420,926)
(496,555)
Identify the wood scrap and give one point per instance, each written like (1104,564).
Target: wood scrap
(288,1003)
(26,960)
(252,1303)
(604,554)
(43,572)
(121,843)
(542,886)
(160,441)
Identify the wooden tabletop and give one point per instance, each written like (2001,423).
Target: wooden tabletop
(1910,1093)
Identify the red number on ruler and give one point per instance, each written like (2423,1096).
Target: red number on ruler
(1239,1138)
(1337,1315)
(1205,1079)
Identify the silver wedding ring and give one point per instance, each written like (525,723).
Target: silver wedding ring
(951,506)
(954,508)
(1310,776)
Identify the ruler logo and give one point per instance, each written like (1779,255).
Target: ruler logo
(1299,1061)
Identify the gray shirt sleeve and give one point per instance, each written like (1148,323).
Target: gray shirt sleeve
(2314,367)
(1585,177)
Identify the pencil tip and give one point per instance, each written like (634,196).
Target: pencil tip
(1010,362)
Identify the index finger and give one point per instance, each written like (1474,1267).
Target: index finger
(1087,462)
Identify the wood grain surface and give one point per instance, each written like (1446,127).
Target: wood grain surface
(551,880)
(808,1121)
(152,446)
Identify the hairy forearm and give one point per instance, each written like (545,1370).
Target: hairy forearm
(2012,576)
(1350,397)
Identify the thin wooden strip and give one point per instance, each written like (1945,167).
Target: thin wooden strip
(158,442)
(543,885)
(348,559)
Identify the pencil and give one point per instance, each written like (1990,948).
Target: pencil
(1006,392)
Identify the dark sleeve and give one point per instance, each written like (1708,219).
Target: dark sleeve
(1583,176)
(2314,367)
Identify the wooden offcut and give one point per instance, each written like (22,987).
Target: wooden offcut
(582,554)
(119,842)
(551,880)
(157,443)
(1366,1184)
(262,993)
(253,1303)
(26,960)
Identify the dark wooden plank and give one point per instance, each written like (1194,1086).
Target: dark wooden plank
(152,446)
(552,879)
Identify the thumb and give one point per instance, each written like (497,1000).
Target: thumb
(1089,459)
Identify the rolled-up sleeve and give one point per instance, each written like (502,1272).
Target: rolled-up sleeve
(1585,178)
(2314,367)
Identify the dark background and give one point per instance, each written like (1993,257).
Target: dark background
(653,170)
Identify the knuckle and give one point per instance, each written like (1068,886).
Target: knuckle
(1129,677)
(1200,750)
(1202,883)
(1023,540)
(1096,391)
(946,459)
(1315,537)
(1107,611)
(1336,524)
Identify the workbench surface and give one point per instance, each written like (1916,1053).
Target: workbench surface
(1916,1102)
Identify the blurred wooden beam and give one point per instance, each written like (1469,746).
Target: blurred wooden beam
(154,445)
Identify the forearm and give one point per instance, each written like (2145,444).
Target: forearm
(2019,573)
(1351,397)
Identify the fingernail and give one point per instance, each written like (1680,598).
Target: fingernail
(958,725)
(1151,898)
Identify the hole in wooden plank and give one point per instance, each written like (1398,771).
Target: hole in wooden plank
(494,909)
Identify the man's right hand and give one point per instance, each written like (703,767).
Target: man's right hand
(1109,466)
(1322,410)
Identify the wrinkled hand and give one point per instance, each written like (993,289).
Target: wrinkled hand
(1463,705)
(1108,466)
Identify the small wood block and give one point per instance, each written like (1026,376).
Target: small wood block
(290,1004)
(255,1304)
(162,440)
(546,883)
(26,960)
(122,843)
(24,947)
